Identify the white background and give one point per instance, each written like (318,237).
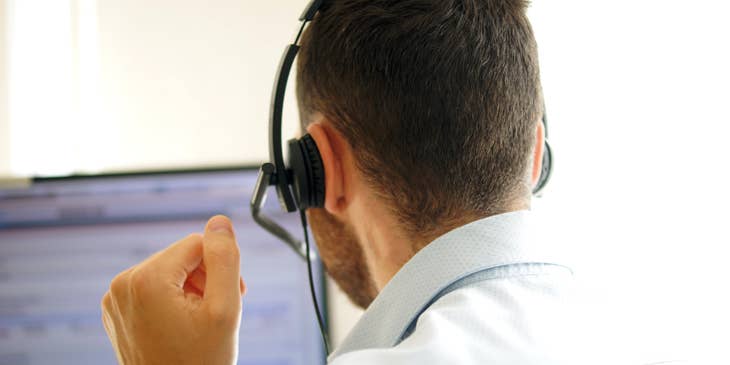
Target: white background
(636,94)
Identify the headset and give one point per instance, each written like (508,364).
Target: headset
(300,184)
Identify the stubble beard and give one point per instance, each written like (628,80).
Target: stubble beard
(343,257)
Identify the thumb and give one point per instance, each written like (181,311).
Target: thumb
(222,263)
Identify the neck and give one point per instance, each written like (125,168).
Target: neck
(387,246)
(384,244)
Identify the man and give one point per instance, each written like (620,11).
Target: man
(426,115)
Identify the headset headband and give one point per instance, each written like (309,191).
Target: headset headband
(275,172)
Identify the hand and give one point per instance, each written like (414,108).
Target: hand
(180,306)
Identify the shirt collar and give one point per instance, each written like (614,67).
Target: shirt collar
(490,242)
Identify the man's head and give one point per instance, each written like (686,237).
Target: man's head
(426,114)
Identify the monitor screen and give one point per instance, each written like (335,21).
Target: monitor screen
(62,241)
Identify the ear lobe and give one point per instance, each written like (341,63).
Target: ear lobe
(537,154)
(333,175)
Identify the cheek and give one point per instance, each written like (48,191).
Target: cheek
(336,246)
(342,256)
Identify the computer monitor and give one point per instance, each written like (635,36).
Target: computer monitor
(62,240)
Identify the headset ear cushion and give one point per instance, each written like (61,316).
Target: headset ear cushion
(316,168)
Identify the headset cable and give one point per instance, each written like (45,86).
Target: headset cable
(322,331)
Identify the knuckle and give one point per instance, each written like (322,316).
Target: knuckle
(119,284)
(137,282)
(194,237)
(106,302)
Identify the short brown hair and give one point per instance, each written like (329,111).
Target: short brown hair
(438,99)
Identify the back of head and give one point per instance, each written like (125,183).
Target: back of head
(439,100)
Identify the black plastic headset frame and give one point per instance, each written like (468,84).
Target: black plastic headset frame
(275,172)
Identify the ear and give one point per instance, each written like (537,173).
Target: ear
(333,149)
(537,154)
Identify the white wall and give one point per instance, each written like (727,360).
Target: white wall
(189,81)
(111,85)
(637,94)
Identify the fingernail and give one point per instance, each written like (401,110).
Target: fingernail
(220,224)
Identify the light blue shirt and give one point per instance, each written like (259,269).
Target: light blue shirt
(487,292)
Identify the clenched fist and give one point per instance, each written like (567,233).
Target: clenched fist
(180,306)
